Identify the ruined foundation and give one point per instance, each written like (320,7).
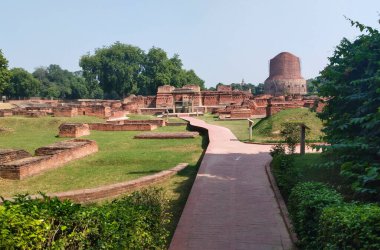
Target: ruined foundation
(49,157)
(122,127)
(74,130)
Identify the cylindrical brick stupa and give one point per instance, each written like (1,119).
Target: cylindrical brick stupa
(285,76)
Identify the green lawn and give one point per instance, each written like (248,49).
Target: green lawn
(268,129)
(120,157)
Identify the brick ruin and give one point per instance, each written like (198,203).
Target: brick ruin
(122,127)
(285,76)
(74,130)
(284,88)
(18,164)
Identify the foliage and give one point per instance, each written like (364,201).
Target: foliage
(59,83)
(122,69)
(351,81)
(287,176)
(312,86)
(292,135)
(350,226)
(22,84)
(278,149)
(4,73)
(306,203)
(133,222)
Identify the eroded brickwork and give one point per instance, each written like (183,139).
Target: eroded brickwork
(49,157)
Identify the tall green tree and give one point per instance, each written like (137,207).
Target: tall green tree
(157,71)
(60,83)
(115,68)
(122,69)
(192,78)
(22,84)
(351,82)
(5,75)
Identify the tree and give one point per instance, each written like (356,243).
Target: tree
(123,69)
(22,84)
(192,78)
(115,68)
(60,83)
(4,73)
(157,71)
(312,85)
(351,82)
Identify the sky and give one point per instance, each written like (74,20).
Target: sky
(222,40)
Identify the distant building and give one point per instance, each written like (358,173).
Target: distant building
(285,76)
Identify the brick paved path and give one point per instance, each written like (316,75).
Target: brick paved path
(231,204)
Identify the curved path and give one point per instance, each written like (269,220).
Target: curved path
(231,204)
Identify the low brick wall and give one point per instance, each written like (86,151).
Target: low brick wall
(152,111)
(49,157)
(6,113)
(113,190)
(240,113)
(167,135)
(122,127)
(8,155)
(73,130)
(65,111)
(158,122)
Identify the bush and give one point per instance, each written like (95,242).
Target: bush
(137,221)
(278,149)
(287,176)
(306,202)
(350,226)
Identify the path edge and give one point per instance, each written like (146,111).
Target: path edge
(281,204)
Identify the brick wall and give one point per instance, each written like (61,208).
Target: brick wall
(49,157)
(8,155)
(122,127)
(73,130)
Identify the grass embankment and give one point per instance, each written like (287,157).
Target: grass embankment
(120,157)
(268,129)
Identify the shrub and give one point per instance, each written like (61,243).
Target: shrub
(306,202)
(287,176)
(350,226)
(292,135)
(137,221)
(278,149)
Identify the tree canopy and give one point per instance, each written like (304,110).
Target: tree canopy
(123,69)
(351,82)
(4,73)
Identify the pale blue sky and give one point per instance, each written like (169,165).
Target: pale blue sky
(222,40)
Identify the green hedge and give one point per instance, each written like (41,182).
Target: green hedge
(350,226)
(137,221)
(286,174)
(306,202)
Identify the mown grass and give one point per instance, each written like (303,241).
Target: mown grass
(268,129)
(120,157)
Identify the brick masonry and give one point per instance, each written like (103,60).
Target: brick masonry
(113,190)
(49,157)
(167,135)
(122,127)
(73,130)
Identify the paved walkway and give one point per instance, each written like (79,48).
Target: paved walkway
(231,204)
